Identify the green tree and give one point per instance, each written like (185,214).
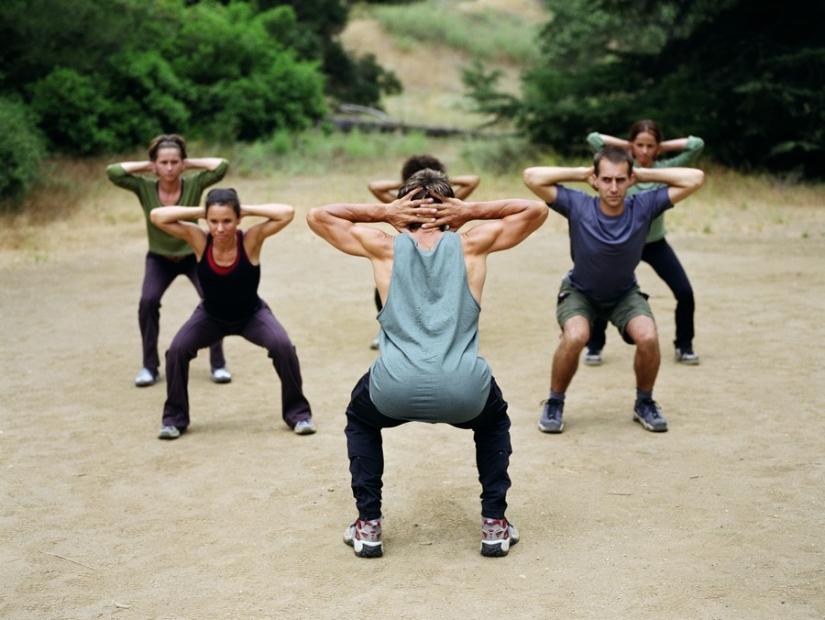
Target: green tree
(108,74)
(745,76)
(21,150)
(349,78)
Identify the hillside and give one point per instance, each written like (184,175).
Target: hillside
(431,73)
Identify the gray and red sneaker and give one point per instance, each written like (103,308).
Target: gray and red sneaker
(365,538)
(497,535)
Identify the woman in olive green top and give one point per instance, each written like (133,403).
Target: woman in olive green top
(645,142)
(168,257)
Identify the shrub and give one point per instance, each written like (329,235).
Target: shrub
(73,111)
(21,150)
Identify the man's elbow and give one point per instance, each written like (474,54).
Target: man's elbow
(316,219)
(530,177)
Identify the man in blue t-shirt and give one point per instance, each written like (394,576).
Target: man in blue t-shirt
(607,235)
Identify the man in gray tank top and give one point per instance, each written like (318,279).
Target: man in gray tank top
(430,280)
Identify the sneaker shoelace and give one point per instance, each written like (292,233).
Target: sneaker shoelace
(650,409)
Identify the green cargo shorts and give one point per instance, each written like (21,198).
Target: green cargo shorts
(572,302)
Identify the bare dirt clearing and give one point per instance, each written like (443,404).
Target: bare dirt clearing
(722,517)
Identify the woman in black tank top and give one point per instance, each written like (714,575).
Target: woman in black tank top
(229,268)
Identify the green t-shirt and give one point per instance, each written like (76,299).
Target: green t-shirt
(693,149)
(146,189)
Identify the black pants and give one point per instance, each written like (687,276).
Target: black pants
(491,433)
(660,256)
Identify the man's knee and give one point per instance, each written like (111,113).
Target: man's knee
(576,332)
(643,333)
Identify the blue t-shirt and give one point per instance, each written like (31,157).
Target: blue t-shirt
(606,249)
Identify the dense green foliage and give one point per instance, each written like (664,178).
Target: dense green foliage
(21,150)
(745,76)
(107,75)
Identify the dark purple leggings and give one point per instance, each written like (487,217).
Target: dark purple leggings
(202,330)
(491,433)
(660,256)
(159,274)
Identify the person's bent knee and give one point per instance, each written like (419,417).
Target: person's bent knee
(642,331)
(149,305)
(576,331)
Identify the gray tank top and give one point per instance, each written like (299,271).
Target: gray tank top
(429,369)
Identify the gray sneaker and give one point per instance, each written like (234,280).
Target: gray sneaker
(497,536)
(365,538)
(168,432)
(147,377)
(647,413)
(687,356)
(593,357)
(551,420)
(304,427)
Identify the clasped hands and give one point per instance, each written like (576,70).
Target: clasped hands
(428,212)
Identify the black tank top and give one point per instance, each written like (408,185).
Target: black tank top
(229,293)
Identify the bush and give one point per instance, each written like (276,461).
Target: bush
(73,111)
(21,151)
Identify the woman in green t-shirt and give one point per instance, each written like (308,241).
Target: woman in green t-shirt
(168,257)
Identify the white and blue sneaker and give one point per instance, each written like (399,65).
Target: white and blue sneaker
(147,377)
(221,375)
(647,413)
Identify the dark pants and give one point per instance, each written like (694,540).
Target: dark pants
(159,275)
(202,330)
(660,256)
(491,433)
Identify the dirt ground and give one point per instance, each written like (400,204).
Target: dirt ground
(721,517)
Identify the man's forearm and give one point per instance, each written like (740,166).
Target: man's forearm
(544,176)
(358,213)
(675,177)
(495,209)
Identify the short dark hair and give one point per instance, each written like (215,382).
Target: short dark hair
(420,162)
(226,197)
(164,141)
(425,183)
(615,155)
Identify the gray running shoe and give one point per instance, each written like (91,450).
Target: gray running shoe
(497,536)
(221,375)
(687,356)
(168,432)
(592,357)
(147,377)
(551,420)
(304,427)
(365,538)
(647,413)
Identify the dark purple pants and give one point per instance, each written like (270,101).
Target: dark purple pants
(159,274)
(660,256)
(491,433)
(202,330)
